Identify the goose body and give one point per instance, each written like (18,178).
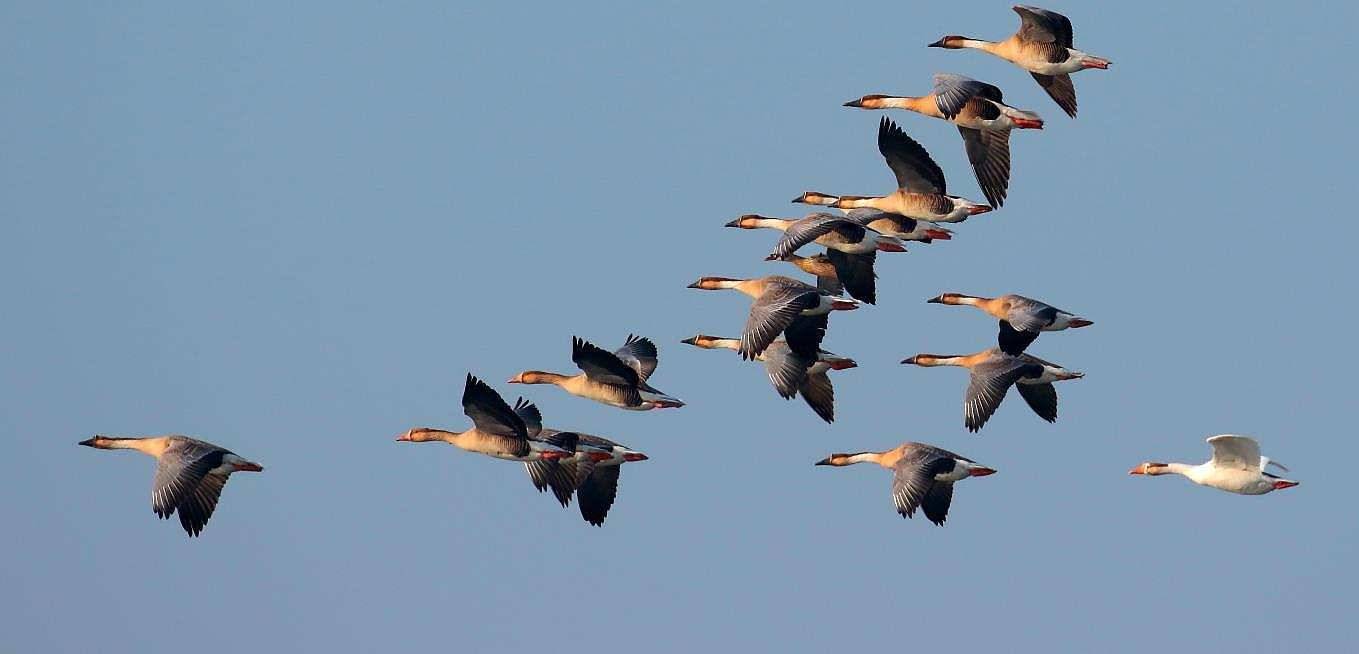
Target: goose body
(498,431)
(1236,467)
(1043,46)
(993,372)
(190,474)
(791,373)
(781,305)
(983,119)
(922,192)
(922,476)
(1021,318)
(618,378)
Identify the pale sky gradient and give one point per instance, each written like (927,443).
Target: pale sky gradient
(292,230)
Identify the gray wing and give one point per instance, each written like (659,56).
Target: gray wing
(786,369)
(818,393)
(1043,26)
(560,477)
(180,471)
(197,506)
(864,215)
(601,365)
(1060,88)
(596,494)
(1042,398)
(914,169)
(639,353)
(814,226)
(528,412)
(490,413)
(1030,315)
(772,313)
(855,273)
(989,153)
(913,478)
(951,93)
(989,383)
(1235,452)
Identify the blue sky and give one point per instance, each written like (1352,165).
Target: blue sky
(291,231)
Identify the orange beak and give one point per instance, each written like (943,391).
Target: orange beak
(974,210)
(404,437)
(841,305)
(635,456)
(843,364)
(1282,484)
(980,471)
(1079,322)
(1026,123)
(1139,470)
(890,246)
(255,467)
(939,234)
(1096,63)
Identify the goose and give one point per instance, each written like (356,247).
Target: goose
(1021,318)
(993,372)
(1042,46)
(1236,467)
(593,480)
(781,305)
(983,120)
(921,190)
(189,477)
(922,476)
(497,431)
(851,248)
(791,373)
(617,378)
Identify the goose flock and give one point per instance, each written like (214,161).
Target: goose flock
(788,320)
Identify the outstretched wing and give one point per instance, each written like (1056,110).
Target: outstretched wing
(1235,452)
(490,413)
(989,153)
(1043,26)
(914,169)
(989,383)
(639,353)
(951,93)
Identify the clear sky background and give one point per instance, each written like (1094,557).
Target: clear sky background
(292,230)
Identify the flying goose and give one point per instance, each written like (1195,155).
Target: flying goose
(922,476)
(618,378)
(1042,46)
(189,477)
(781,305)
(791,373)
(497,429)
(1021,318)
(921,190)
(993,372)
(983,120)
(1236,467)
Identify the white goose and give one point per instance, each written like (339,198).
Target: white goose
(1236,467)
